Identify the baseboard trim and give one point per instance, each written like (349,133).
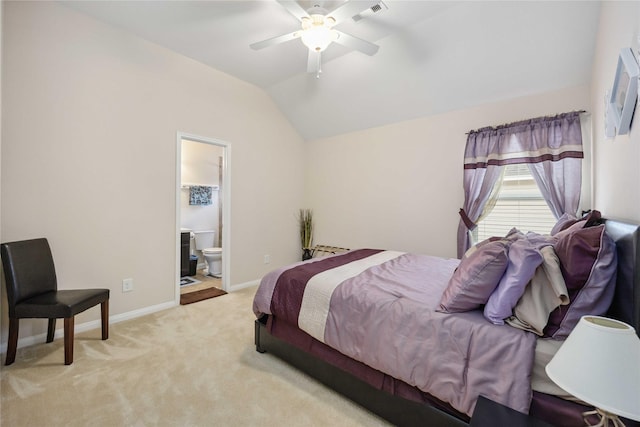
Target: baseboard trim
(94,324)
(243,285)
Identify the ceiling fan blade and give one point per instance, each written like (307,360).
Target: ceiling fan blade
(295,9)
(313,62)
(275,40)
(351,8)
(355,43)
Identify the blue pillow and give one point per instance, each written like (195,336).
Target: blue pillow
(524,259)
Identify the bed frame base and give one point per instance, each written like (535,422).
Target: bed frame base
(398,411)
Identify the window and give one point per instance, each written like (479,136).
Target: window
(519,204)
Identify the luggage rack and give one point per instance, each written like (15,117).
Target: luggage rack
(324,250)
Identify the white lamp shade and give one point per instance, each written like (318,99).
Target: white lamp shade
(599,363)
(318,37)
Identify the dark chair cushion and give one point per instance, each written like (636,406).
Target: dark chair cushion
(61,303)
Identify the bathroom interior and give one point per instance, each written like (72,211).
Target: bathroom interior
(201,215)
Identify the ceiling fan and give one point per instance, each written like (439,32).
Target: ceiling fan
(317,30)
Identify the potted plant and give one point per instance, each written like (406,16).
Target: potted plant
(305,220)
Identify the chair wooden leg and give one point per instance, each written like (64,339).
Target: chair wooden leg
(12,344)
(51,330)
(68,340)
(104,309)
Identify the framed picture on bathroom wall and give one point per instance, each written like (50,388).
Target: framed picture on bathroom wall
(624,93)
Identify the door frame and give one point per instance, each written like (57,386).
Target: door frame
(225,221)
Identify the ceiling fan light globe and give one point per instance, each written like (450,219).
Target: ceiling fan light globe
(318,37)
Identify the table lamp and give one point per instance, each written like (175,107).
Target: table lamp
(599,363)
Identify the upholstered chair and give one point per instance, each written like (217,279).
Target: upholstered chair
(32,292)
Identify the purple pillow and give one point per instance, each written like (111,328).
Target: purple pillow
(588,262)
(524,258)
(564,222)
(514,234)
(594,217)
(540,240)
(475,278)
(475,247)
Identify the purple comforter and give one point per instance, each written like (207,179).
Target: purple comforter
(382,312)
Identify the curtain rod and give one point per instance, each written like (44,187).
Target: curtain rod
(184,186)
(507,125)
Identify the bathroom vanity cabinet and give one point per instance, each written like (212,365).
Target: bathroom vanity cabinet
(185,246)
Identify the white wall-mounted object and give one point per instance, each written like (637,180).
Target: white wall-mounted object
(622,99)
(609,126)
(638,60)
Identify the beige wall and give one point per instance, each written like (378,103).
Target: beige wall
(1,55)
(200,165)
(90,115)
(89,156)
(3,300)
(400,186)
(617,160)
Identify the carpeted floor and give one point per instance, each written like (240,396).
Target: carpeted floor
(192,365)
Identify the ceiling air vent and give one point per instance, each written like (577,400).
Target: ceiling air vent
(376,8)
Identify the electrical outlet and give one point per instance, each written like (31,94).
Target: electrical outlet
(127,285)
(267,259)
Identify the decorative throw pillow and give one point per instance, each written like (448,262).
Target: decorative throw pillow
(592,218)
(565,221)
(514,234)
(478,245)
(524,258)
(544,293)
(540,240)
(588,262)
(475,278)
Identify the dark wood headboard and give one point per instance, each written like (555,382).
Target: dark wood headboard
(626,300)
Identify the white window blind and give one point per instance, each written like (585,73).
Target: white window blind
(520,204)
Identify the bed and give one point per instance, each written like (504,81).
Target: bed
(382,328)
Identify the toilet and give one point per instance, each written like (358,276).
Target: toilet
(212,256)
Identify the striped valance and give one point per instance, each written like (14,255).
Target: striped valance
(529,141)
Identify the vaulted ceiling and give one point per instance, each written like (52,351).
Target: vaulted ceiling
(434,56)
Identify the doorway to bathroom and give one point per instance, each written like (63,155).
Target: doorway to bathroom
(202,214)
